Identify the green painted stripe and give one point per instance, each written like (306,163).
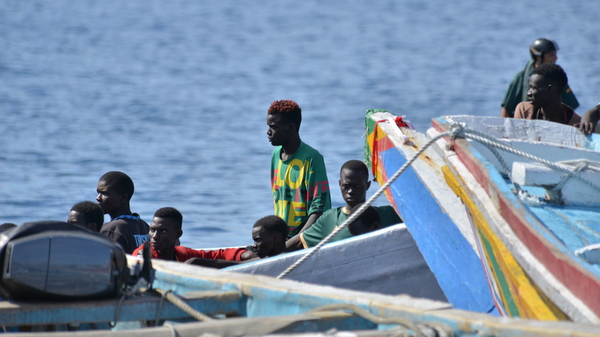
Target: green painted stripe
(508,300)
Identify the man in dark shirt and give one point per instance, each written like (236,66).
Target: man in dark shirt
(86,214)
(115,190)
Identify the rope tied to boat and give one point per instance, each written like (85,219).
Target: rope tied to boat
(364,206)
(183,306)
(418,329)
(491,142)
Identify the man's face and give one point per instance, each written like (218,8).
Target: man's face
(108,197)
(76,218)
(277,133)
(549,57)
(538,93)
(163,233)
(354,186)
(264,243)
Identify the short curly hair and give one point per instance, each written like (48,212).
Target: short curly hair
(288,110)
(274,225)
(120,181)
(91,211)
(170,213)
(356,165)
(552,73)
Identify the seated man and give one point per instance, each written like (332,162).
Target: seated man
(366,222)
(354,183)
(165,231)
(87,214)
(546,85)
(269,234)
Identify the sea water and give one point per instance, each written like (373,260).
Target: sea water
(175,93)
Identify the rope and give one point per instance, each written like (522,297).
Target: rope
(485,139)
(160,306)
(437,327)
(591,165)
(184,306)
(563,181)
(118,311)
(362,208)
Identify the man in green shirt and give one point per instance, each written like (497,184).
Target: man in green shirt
(298,175)
(541,51)
(354,183)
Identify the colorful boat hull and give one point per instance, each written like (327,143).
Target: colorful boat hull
(529,249)
(435,217)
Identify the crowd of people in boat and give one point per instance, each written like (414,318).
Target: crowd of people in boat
(303,216)
(302,205)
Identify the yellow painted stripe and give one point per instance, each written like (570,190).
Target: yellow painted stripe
(527,297)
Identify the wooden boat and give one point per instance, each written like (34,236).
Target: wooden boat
(234,304)
(434,215)
(386,261)
(541,248)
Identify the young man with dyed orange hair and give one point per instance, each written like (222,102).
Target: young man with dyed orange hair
(298,175)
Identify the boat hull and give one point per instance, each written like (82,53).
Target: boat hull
(529,248)
(433,214)
(386,261)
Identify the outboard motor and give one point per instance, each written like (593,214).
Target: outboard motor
(49,260)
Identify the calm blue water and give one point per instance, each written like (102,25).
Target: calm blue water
(175,93)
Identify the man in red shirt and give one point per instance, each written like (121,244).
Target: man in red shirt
(164,233)
(268,233)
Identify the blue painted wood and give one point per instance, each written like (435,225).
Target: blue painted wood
(386,261)
(566,228)
(448,254)
(93,311)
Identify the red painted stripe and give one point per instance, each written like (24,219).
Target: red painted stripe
(580,282)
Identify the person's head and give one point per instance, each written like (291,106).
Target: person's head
(6,226)
(115,190)
(354,182)
(166,228)
(86,214)
(283,118)
(367,221)
(546,84)
(544,51)
(269,234)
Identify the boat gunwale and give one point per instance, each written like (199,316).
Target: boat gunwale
(522,220)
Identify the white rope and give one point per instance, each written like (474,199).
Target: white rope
(485,139)
(456,129)
(364,206)
(563,181)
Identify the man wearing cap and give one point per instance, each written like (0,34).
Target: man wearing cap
(542,51)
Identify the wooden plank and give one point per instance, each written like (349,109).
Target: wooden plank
(132,309)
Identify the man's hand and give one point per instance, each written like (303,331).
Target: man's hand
(589,120)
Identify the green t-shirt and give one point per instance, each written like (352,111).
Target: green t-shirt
(517,91)
(330,220)
(299,185)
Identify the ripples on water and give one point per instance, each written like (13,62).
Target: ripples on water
(175,93)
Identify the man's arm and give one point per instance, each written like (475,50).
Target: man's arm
(311,220)
(589,120)
(294,243)
(504,113)
(212,263)
(248,255)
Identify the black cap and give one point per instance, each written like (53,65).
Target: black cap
(542,46)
